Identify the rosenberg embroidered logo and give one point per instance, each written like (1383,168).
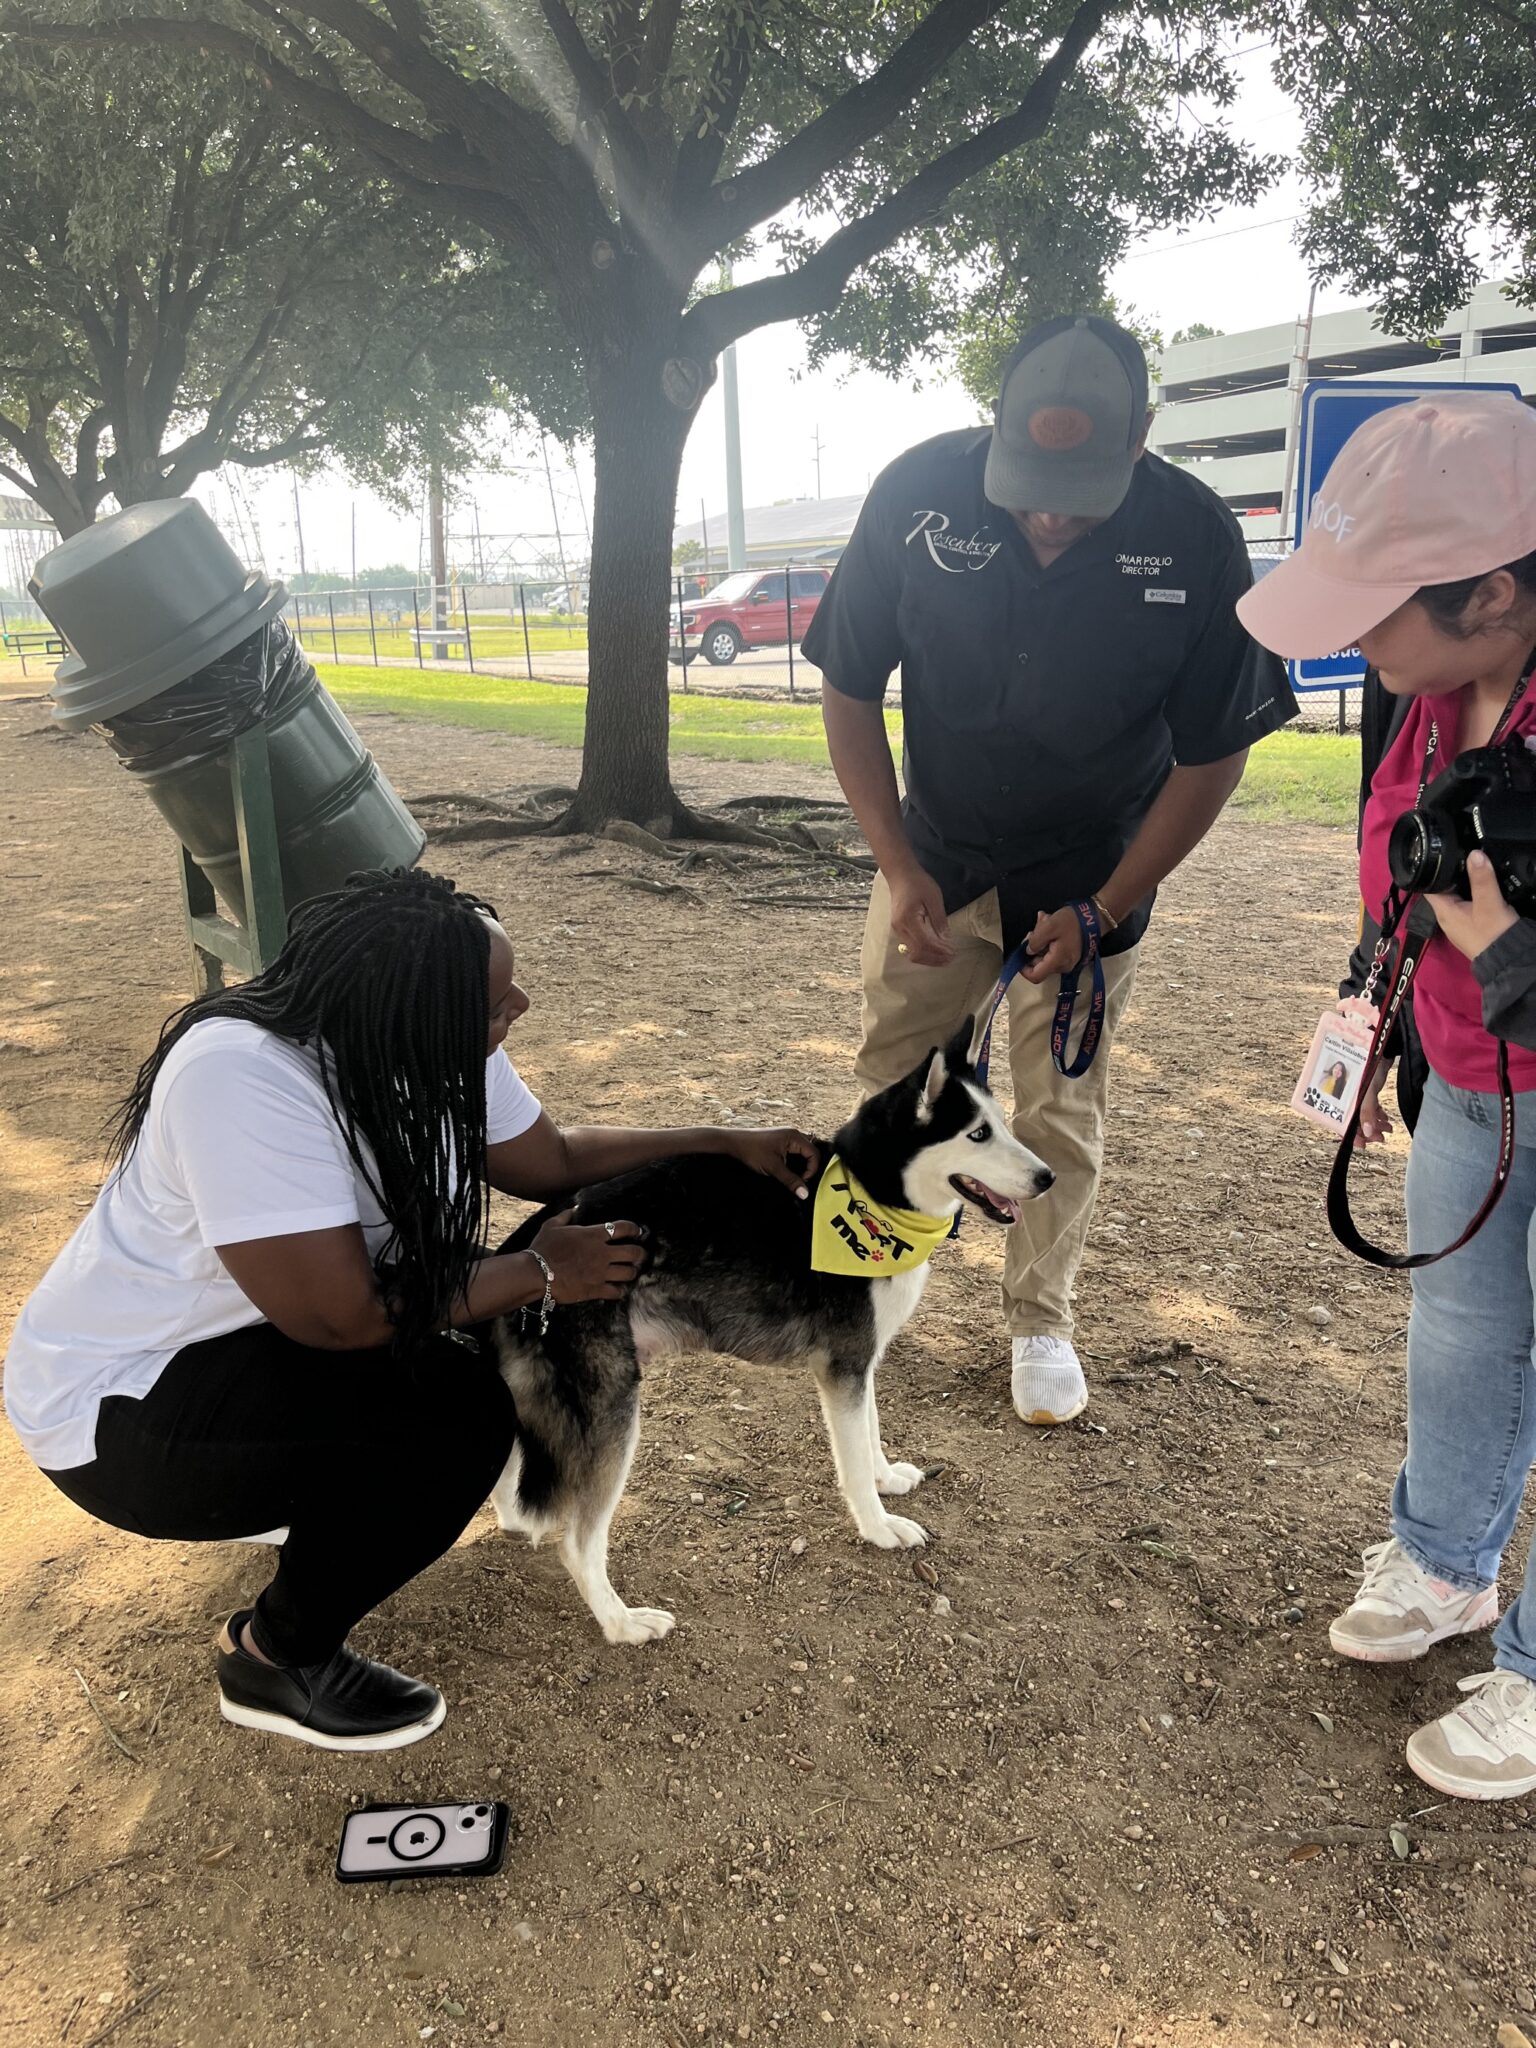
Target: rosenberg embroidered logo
(1144,565)
(972,554)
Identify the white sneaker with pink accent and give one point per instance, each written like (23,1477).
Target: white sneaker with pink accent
(1486,1747)
(1400,1611)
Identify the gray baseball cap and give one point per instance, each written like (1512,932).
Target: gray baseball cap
(1068,419)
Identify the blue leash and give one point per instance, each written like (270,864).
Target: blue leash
(1066,1002)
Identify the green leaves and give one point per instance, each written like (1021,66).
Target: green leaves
(1417,150)
(189,276)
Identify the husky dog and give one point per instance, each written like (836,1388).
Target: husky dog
(730,1271)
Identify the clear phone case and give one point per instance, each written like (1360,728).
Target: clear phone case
(443,1839)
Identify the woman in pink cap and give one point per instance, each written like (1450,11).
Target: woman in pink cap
(1421,551)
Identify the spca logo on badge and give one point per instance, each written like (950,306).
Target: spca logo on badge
(950,551)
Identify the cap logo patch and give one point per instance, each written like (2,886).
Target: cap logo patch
(1329,516)
(1060,427)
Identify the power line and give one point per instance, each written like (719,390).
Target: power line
(1221,235)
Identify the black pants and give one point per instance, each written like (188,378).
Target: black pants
(374,1463)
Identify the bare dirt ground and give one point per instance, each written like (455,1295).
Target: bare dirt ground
(1084,1774)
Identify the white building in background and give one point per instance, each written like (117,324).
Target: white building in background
(1228,406)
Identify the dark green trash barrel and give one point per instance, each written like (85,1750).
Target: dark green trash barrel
(177,650)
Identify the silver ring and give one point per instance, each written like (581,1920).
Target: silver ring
(609,1228)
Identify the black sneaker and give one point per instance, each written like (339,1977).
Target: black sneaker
(348,1703)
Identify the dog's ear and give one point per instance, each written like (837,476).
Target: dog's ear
(958,1053)
(933,1083)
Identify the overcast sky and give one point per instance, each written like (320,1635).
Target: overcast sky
(1240,269)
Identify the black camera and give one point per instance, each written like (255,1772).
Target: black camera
(1484,802)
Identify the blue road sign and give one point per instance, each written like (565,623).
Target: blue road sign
(1331,409)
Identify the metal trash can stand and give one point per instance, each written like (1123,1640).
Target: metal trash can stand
(182,660)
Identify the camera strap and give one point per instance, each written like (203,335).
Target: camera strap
(1340,1221)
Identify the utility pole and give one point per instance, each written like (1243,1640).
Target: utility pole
(735,508)
(735,505)
(435,518)
(817,444)
(1300,355)
(554,513)
(298,527)
(354,543)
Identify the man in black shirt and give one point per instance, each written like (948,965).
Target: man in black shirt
(1078,701)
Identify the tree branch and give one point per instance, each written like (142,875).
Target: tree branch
(440,161)
(726,316)
(764,189)
(660,40)
(599,92)
(709,127)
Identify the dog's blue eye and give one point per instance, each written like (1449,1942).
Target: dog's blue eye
(980,1135)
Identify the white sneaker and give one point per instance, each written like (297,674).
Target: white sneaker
(1400,1611)
(1048,1383)
(1486,1747)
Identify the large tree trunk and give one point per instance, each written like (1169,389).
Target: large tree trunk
(639,438)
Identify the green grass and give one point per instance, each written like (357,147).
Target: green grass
(1302,778)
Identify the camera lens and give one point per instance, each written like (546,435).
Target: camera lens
(466,1820)
(1419,856)
(481,1812)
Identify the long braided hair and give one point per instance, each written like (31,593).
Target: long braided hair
(386,979)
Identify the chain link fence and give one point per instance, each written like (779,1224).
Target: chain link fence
(423,623)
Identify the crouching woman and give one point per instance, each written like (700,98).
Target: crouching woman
(253,1328)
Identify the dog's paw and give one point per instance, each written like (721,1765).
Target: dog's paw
(895,1532)
(640,1625)
(899,1479)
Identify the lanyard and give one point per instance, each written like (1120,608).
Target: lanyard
(1410,952)
(1066,1002)
(1340,1221)
(1506,718)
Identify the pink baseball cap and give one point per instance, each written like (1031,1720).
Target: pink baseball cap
(1426,492)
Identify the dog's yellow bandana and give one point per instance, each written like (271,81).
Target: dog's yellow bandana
(853,1233)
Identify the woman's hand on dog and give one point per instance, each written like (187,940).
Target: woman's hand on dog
(591,1261)
(786,1155)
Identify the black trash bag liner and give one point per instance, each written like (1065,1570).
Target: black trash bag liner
(199,717)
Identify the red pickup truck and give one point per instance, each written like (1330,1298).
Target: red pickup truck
(750,609)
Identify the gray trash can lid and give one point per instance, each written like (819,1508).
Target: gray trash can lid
(145,599)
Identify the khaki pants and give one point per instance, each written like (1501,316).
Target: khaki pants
(908,1008)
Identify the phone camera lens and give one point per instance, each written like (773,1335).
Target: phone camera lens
(481,1812)
(466,1820)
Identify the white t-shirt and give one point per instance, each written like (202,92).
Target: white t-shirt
(240,1142)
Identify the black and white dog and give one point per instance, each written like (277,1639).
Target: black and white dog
(730,1271)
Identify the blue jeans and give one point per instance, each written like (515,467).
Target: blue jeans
(1471,1373)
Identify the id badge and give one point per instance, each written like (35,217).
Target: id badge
(1330,1080)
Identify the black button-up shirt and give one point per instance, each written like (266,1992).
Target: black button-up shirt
(1044,708)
